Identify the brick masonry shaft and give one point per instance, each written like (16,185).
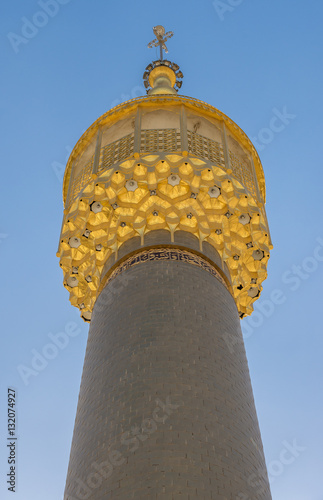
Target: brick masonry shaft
(166,409)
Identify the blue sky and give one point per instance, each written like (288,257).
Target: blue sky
(251,59)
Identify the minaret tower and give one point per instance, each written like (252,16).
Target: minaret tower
(164,247)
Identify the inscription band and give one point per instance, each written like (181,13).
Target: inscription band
(174,254)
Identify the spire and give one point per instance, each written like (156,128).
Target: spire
(162,76)
(162,37)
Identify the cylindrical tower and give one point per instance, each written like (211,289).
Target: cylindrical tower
(164,245)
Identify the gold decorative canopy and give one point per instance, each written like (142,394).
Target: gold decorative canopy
(169,162)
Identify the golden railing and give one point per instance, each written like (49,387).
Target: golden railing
(164,140)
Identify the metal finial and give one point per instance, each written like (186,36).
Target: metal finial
(162,37)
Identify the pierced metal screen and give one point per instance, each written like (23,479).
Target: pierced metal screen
(168,139)
(243,172)
(164,140)
(80,181)
(205,148)
(116,152)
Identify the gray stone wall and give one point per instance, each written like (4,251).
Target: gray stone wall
(166,408)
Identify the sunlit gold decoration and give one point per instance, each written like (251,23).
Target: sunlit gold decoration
(165,178)
(165,140)
(158,68)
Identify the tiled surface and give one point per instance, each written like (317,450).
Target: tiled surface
(166,333)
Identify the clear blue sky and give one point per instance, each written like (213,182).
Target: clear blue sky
(251,59)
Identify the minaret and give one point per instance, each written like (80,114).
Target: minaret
(164,245)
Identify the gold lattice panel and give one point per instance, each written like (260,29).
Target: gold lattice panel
(116,151)
(81,180)
(168,139)
(107,214)
(164,140)
(243,171)
(205,148)
(170,101)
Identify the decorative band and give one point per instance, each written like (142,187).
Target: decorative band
(174,254)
